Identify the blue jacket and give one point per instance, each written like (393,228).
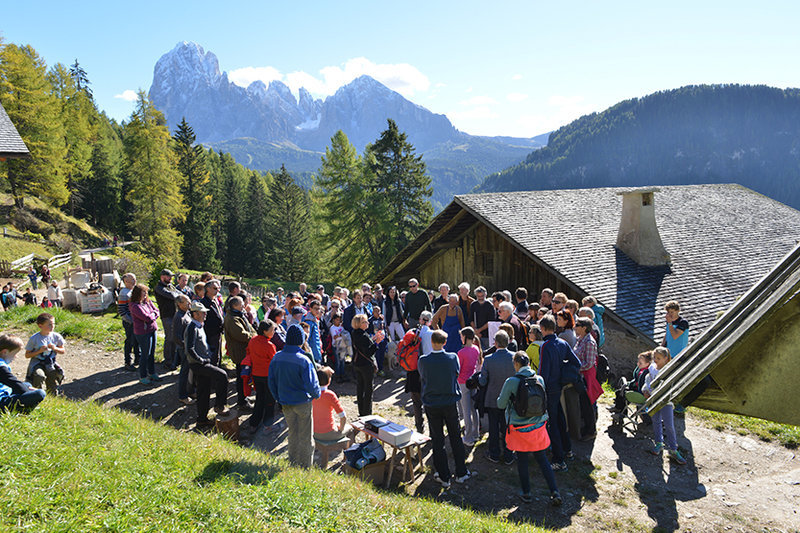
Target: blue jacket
(552,353)
(314,338)
(292,377)
(439,374)
(598,319)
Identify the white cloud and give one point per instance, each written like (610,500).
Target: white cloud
(516,97)
(401,77)
(516,77)
(479,101)
(128,95)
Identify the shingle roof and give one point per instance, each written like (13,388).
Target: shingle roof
(722,239)
(11,144)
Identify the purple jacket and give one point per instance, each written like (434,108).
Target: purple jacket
(144,317)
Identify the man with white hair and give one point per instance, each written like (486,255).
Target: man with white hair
(588,312)
(464,300)
(505,313)
(444,296)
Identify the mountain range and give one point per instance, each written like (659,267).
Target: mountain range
(265,126)
(745,134)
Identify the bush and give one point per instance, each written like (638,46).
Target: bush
(135,262)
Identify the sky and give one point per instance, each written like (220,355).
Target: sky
(517,68)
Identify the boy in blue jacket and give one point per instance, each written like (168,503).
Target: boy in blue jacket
(15,394)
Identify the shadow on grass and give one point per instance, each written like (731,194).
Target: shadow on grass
(242,472)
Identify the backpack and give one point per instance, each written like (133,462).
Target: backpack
(570,369)
(530,399)
(602,368)
(407,352)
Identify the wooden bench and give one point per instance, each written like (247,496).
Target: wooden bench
(326,447)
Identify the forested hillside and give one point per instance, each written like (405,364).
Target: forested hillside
(696,134)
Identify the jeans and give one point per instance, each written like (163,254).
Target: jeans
(169,343)
(206,376)
(557,428)
(497,433)
(470,415)
(183,377)
(131,345)
(667,416)
(438,418)
(301,445)
(22,402)
(364,376)
(264,409)
(544,466)
(147,362)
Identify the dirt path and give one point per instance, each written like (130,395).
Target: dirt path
(732,483)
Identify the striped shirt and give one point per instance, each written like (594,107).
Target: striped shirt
(123,299)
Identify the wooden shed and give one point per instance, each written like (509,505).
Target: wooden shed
(11,144)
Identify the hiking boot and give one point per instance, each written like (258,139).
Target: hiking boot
(676,456)
(555,499)
(657,449)
(440,481)
(492,459)
(559,467)
(526,497)
(465,477)
(186,401)
(130,368)
(155,377)
(508,460)
(145,381)
(570,455)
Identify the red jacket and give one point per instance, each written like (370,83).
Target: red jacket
(260,352)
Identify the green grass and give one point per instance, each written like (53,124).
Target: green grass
(105,329)
(82,467)
(785,434)
(11,248)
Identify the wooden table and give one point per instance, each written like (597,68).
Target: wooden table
(417,439)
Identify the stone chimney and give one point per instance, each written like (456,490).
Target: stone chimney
(638,235)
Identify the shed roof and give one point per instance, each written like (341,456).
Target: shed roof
(722,238)
(11,144)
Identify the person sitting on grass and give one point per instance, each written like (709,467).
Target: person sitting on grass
(664,415)
(527,435)
(15,394)
(41,349)
(330,420)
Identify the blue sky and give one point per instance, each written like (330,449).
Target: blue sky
(502,68)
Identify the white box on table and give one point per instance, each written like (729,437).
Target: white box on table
(395,434)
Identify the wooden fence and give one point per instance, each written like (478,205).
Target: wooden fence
(52,263)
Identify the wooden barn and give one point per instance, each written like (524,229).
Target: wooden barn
(11,144)
(633,249)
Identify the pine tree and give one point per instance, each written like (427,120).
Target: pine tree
(257,239)
(401,187)
(28,99)
(231,188)
(81,79)
(199,249)
(101,193)
(289,207)
(154,182)
(348,205)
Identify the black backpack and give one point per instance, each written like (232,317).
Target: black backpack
(531,398)
(602,368)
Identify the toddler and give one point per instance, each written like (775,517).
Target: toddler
(664,415)
(15,394)
(41,349)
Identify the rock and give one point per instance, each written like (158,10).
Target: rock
(747,444)
(719,492)
(732,504)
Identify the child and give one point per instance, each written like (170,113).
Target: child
(29,298)
(664,415)
(46,303)
(15,394)
(341,344)
(636,384)
(330,420)
(41,349)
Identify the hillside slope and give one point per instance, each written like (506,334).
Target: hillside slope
(696,134)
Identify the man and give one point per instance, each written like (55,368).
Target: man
(314,334)
(183,285)
(294,384)
(465,300)
(321,292)
(522,303)
(302,289)
(123,299)
(279,296)
(416,302)
(440,393)
(443,298)
(553,353)
(166,293)
(214,320)
(238,332)
(206,374)
(481,313)
(180,322)
(337,295)
(234,288)
(546,298)
(356,308)
(505,313)
(498,298)
(334,308)
(497,368)
(378,295)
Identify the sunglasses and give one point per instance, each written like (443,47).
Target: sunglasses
(557,302)
(412,286)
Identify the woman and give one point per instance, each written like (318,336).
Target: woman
(450,319)
(54,293)
(393,311)
(527,435)
(565,322)
(248,309)
(145,316)
(364,363)
(469,361)
(260,351)
(279,337)
(586,350)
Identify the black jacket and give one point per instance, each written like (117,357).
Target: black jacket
(165,298)
(364,349)
(215,320)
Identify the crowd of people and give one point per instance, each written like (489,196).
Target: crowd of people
(498,358)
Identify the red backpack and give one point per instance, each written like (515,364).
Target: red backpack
(407,353)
